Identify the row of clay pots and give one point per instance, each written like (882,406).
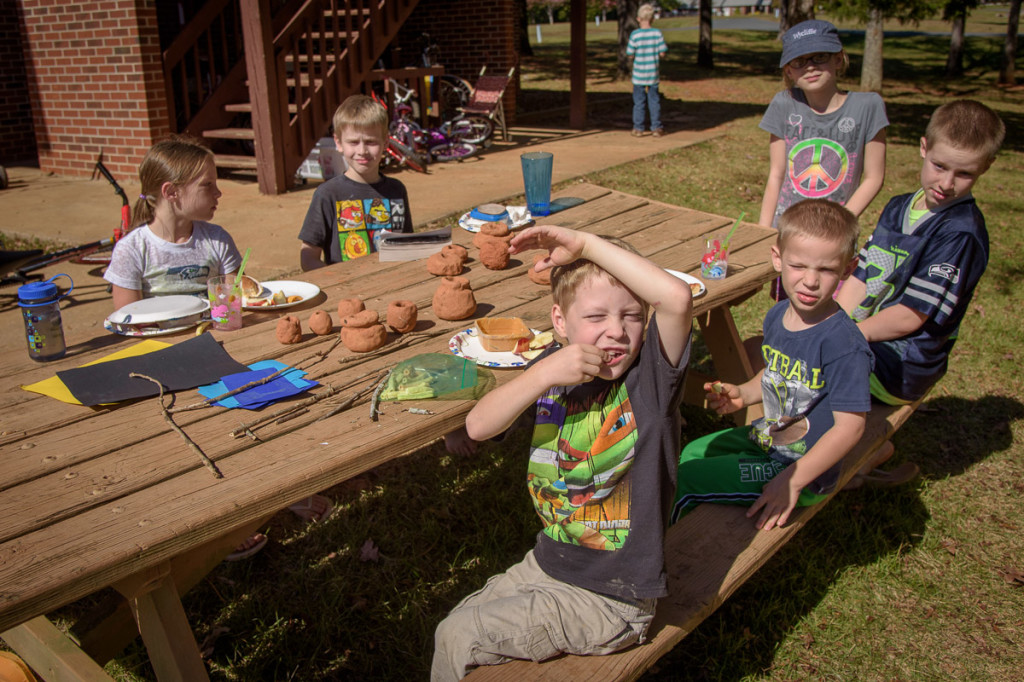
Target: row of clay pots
(361,330)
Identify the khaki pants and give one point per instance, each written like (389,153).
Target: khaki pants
(524,613)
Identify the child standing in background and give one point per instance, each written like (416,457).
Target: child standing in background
(646,47)
(825,143)
(174,250)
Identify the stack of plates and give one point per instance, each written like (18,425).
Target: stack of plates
(158,315)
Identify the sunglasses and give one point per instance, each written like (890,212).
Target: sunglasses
(818,58)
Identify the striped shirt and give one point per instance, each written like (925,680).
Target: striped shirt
(646,45)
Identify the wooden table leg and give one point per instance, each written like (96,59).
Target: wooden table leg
(51,654)
(172,648)
(727,352)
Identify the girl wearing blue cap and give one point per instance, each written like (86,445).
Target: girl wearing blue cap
(826,143)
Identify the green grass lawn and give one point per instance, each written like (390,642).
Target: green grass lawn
(919,583)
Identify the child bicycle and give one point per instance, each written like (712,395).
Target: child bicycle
(454,139)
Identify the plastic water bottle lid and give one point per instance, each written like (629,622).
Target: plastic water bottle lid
(36,293)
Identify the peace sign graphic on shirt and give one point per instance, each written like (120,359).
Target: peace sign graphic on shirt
(818,167)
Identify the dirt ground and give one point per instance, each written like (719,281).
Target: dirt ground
(82,210)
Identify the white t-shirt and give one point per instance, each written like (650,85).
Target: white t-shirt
(143,261)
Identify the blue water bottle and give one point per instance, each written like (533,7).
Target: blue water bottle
(40,307)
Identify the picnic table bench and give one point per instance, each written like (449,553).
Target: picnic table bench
(709,554)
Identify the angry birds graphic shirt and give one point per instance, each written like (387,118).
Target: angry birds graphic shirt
(347,219)
(824,152)
(602,474)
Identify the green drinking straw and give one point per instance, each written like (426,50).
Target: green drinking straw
(241,269)
(728,239)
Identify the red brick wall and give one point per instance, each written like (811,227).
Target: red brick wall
(17,139)
(96,83)
(469,34)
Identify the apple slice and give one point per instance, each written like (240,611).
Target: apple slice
(522,345)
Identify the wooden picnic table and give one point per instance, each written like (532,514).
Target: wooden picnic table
(112,496)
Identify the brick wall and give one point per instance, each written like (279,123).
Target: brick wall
(17,139)
(96,83)
(469,34)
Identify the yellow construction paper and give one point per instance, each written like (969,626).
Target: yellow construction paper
(55,388)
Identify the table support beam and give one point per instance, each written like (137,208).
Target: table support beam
(51,654)
(728,354)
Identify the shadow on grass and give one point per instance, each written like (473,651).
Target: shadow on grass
(857,528)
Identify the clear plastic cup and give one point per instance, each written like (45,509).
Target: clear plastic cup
(225,302)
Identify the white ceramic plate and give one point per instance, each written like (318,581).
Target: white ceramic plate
(288,288)
(470,224)
(466,345)
(691,280)
(130,330)
(159,309)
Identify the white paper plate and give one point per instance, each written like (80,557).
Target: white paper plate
(470,224)
(466,345)
(130,330)
(159,309)
(288,288)
(691,280)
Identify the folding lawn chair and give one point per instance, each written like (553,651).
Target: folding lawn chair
(486,98)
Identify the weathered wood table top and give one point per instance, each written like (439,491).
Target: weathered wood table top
(93,496)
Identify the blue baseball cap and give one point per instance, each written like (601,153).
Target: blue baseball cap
(809,37)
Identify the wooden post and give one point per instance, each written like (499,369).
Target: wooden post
(578,64)
(727,352)
(268,107)
(49,652)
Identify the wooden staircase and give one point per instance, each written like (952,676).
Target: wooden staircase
(261,78)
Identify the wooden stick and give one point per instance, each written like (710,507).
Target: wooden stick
(207,462)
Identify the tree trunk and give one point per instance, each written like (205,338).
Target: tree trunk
(705,58)
(793,12)
(627,22)
(1007,74)
(871,70)
(551,15)
(955,60)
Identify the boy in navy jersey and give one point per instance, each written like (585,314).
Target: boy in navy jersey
(917,273)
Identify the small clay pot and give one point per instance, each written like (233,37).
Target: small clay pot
(494,254)
(539,277)
(498,228)
(481,238)
(444,265)
(360,320)
(454,299)
(364,339)
(320,323)
(289,330)
(349,306)
(402,316)
(456,250)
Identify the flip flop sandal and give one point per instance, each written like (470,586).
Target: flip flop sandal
(879,478)
(305,509)
(13,669)
(246,553)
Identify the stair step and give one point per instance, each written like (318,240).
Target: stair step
(246,108)
(235,161)
(231,133)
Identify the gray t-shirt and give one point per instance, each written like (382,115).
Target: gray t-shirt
(143,261)
(824,152)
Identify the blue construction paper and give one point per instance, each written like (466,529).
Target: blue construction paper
(288,384)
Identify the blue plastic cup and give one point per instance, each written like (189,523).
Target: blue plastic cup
(537,181)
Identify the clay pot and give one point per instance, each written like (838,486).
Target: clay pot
(456,250)
(480,238)
(453,299)
(364,339)
(349,306)
(444,265)
(494,254)
(320,323)
(402,316)
(539,277)
(289,330)
(496,229)
(362,332)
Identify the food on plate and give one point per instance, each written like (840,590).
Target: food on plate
(320,323)
(289,330)
(536,345)
(501,334)
(695,288)
(293,299)
(251,288)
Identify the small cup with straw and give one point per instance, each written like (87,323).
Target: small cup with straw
(225,295)
(715,262)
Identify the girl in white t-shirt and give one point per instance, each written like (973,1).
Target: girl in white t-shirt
(173,250)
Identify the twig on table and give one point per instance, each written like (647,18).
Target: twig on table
(292,415)
(345,404)
(419,410)
(240,431)
(375,400)
(207,462)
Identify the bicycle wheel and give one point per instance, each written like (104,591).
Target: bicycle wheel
(453,151)
(453,93)
(473,129)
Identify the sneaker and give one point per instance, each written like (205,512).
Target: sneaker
(659,132)
(637,133)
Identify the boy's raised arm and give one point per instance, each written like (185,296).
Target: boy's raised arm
(669,296)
